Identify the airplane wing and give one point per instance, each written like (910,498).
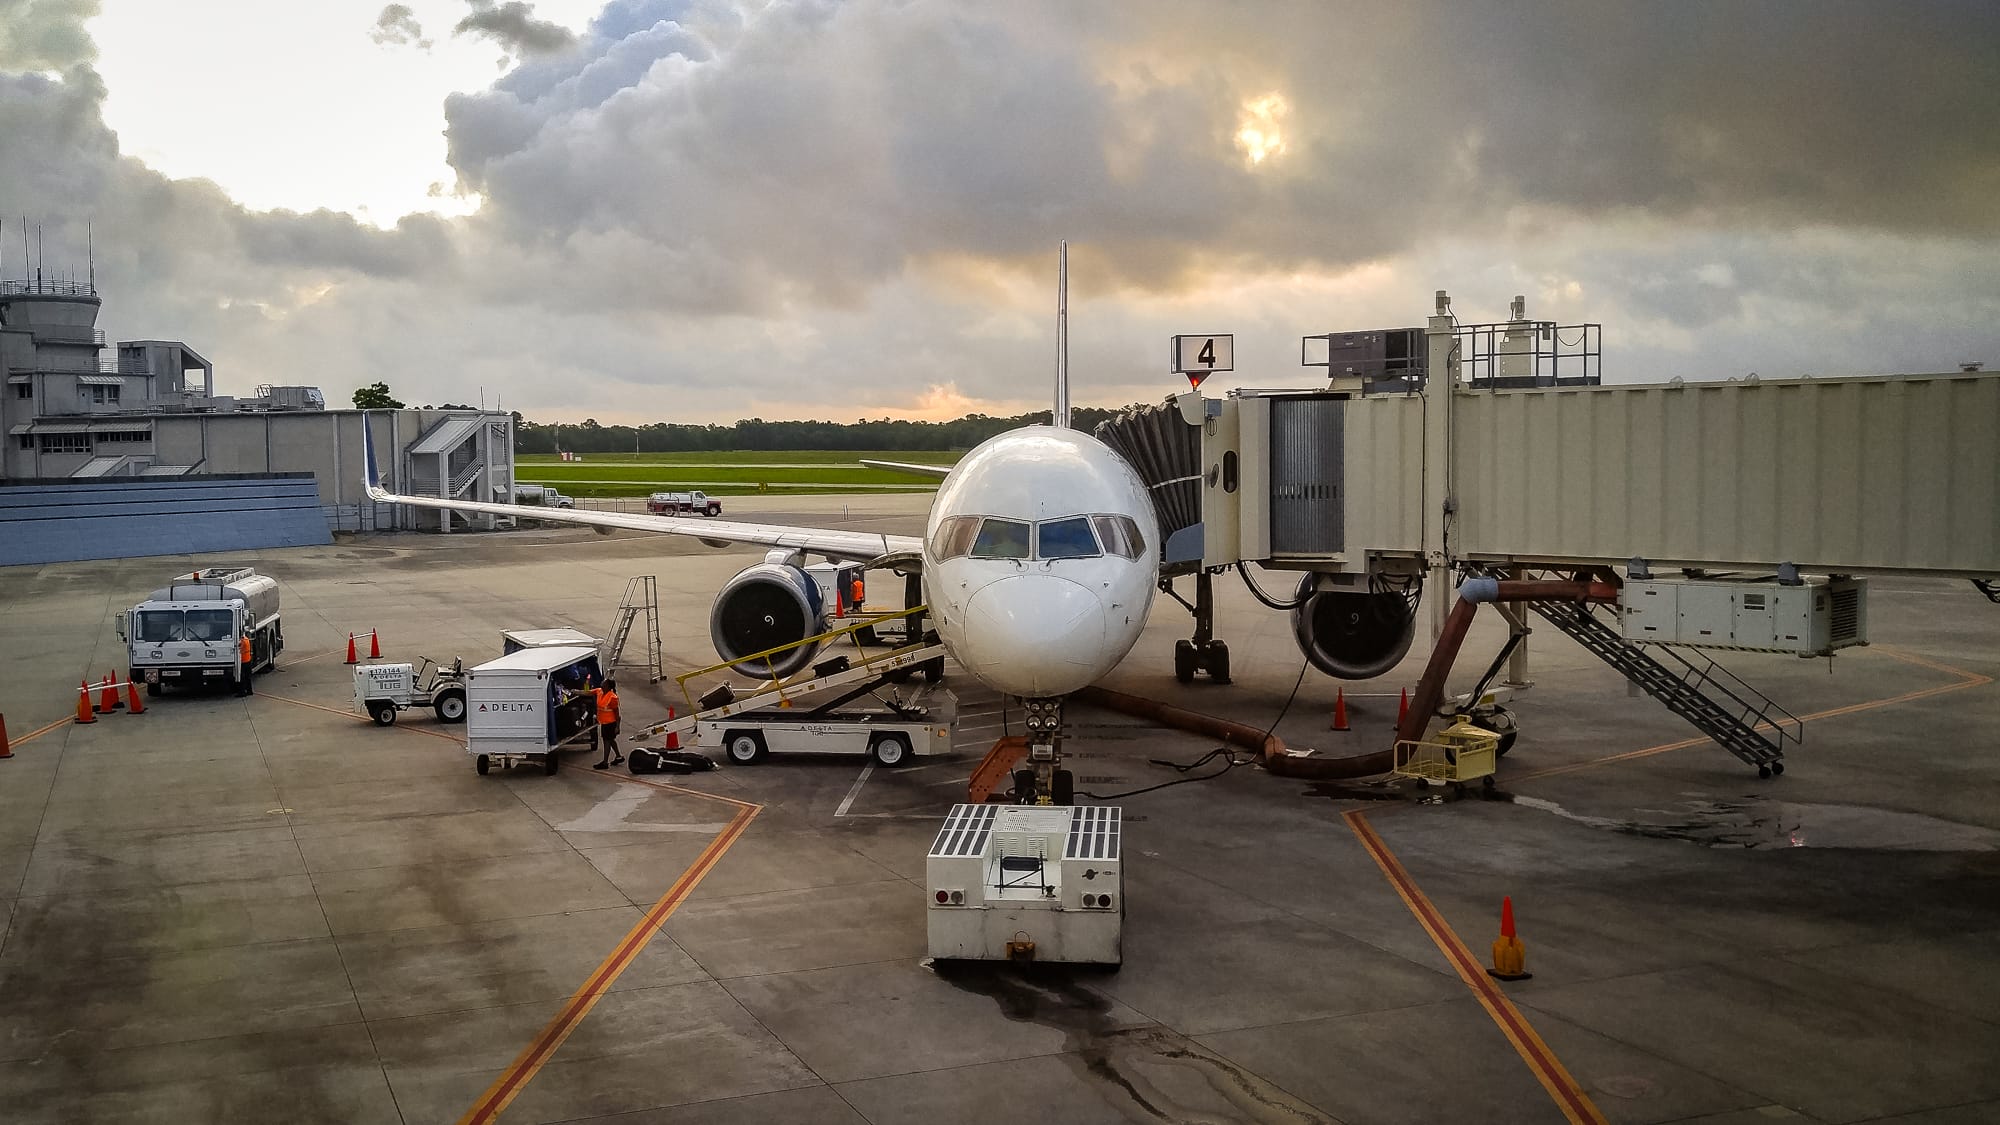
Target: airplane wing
(907,467)
(855,546)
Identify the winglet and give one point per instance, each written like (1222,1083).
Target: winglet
(374,477)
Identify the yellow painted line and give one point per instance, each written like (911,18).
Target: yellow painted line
(1965,680)
(1562,1087)
(455,741)
(38,732)
(531,1060)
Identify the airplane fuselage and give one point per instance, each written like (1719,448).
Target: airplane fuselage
(1040,561)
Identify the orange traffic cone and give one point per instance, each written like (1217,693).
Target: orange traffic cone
(83,712)
(107,700)
(351,658)
(374,644)
(673,736)
(1510,957)
(132,700)
(6,748)
(1403,709)
(1340,710)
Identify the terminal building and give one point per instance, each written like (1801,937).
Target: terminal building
(136,428)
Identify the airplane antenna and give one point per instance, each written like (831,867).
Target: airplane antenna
(90,244)
(1061,417)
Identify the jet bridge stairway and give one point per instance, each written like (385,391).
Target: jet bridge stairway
(1718,704)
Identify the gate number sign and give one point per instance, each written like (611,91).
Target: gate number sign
(1198,356)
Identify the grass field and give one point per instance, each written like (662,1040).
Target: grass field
(791,472)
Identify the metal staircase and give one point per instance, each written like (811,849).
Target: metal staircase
(1718,704)
(641,596)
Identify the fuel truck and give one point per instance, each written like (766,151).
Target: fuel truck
(186,633)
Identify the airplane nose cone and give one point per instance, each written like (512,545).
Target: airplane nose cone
(1035,635)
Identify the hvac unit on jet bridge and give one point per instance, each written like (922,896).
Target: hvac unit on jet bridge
(1325,483)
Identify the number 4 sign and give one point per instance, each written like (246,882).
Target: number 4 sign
(1199,356)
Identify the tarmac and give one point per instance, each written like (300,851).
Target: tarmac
(268,909)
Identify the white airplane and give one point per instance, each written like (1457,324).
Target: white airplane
(1039,559)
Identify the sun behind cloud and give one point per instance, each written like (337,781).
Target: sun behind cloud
(1259,130)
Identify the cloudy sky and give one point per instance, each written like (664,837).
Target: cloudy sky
(700,210)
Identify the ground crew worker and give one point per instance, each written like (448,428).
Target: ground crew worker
(607,724)
(243,675)
(858,591)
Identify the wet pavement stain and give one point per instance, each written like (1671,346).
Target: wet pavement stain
(1122,1057)
(1756,822)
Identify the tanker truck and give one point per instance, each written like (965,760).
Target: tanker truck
(187,632)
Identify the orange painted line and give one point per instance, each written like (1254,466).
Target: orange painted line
(39,732)
(458,742)
(1966,680)
(531,1060)
(1555,1078)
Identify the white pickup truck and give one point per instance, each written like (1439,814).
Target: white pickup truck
(683,503)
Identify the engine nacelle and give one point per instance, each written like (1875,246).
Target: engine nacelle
(765,606)
(1352,634)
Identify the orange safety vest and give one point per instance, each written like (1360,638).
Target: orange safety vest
(244,648)
(607,706)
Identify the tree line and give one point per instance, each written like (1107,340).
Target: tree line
(757,434)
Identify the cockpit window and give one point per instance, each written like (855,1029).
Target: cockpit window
(1001,539)
(1120,536)
(954,537)
(1065,539)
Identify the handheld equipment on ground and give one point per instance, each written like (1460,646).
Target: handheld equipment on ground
(384,689)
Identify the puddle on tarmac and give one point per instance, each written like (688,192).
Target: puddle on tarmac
(1755,822)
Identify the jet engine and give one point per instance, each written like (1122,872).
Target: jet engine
(764,606)
(1353,634)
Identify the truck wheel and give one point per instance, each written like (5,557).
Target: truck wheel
(384,713)
(890,749)
(1062,790)
(153,690)
(714,509)
(1024,787)
(934,670)
(450,707)
(745,747)
(551,761)
(482,763)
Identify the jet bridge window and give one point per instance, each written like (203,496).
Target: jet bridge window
(1120,536)
(1065,539)
(1001,539)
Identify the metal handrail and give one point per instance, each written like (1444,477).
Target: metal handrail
(40,288)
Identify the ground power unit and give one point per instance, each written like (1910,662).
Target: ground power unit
(1026,882)
(1811,618)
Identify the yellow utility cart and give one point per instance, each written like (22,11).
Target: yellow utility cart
(1460,753)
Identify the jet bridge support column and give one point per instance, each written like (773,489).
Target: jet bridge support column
(1439,503)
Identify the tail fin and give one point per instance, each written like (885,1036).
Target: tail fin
(1061,417)
(374,477)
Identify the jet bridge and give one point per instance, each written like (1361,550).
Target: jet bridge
(1491,450)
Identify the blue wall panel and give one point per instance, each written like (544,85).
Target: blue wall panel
(125,517)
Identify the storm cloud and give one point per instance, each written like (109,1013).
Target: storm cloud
(807,206)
